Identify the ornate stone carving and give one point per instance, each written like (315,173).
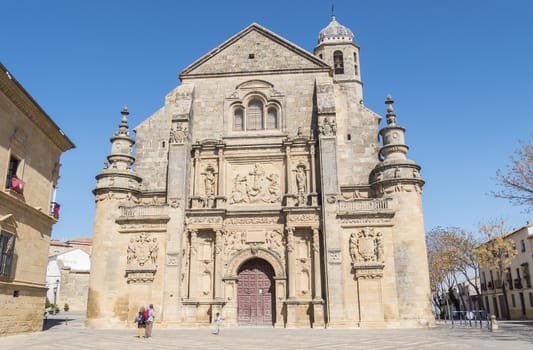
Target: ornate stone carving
(334,256)
(253,220)
(178,134)
(328,127)
(302,218)
(301,184)
(140,276)
(366,246)
(142,250)
(256,187)
(209,181)
(172,259)
(274,240)
(290,239)
(204,220)
(316,241)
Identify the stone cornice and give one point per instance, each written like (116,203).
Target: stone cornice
(14,91)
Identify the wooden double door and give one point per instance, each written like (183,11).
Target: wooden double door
(255,294)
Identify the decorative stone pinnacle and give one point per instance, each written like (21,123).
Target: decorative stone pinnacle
(391,115)
(124,113)
(123,127)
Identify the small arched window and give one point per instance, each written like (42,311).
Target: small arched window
(254,115)
(238,120)
(338,62)
(272,118)
(355,64)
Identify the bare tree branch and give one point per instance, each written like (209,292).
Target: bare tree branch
(517,182)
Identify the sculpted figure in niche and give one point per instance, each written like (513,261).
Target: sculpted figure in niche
(301,184)
(209,182)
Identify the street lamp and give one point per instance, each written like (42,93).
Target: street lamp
(55,296)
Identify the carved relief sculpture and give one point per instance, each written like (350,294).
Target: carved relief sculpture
(328,127)
(209,181)
(301,184)
(142,251)
(256,187)
(366,246)
(178,134)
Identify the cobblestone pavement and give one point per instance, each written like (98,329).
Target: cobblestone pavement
(68,332)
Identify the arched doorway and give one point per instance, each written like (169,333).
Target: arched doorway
(256,294)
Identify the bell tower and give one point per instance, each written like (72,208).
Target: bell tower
(337,48)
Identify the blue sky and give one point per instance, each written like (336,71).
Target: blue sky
(461,74)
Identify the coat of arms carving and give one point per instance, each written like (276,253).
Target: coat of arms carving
(366,246)
(142,250)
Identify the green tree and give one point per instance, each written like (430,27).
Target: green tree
(496,253)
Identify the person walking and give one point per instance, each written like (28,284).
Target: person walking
(141,322)
(150,321)
(218,321)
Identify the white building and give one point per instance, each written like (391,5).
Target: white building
(67,279)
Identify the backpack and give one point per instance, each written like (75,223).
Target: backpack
(146,314)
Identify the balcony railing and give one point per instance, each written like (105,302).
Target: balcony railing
(143,210)
(54,209)
(365,204)
(518,283)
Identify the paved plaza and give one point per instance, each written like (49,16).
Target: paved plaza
(66,331)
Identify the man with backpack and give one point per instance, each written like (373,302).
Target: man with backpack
(149,316)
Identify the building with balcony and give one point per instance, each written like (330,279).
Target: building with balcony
(517,280)
(261,190)
(31,145)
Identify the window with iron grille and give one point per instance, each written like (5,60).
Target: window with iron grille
(7,249)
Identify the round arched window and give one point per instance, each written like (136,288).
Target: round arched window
(254,115)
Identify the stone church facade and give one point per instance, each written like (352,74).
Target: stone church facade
(260,190)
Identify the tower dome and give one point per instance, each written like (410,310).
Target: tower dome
(335,33)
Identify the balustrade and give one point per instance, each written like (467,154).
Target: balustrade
(144,210)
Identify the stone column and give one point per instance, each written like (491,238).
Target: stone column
(221,172)
(219,293)
(291,303)
(312,178)
(316,264)
(291,262)
(193,283)
(318,302)
(288,168)
(196,165)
